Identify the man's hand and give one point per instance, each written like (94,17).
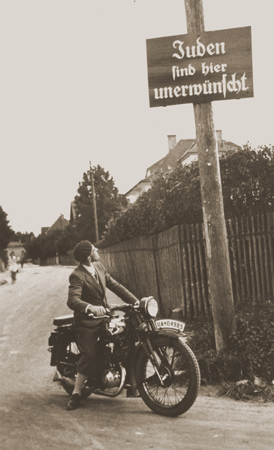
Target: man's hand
(97,310)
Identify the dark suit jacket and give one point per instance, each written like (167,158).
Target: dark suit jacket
(85,290)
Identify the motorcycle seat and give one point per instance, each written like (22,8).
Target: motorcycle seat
(63,320)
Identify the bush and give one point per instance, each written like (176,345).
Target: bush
(250,355)
(175,197)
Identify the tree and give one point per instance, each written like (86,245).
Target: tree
(5,230)
(48,245)
(22,237)
(247,179)
(108,204)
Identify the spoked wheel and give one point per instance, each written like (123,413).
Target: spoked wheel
(67,364)
(180,377)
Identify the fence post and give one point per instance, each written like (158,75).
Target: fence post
(155,254)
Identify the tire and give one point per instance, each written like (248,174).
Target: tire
(67,364)
(181,386)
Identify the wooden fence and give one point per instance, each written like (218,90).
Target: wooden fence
(172,265)
(251,256)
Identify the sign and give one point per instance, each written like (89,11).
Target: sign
(168,323)
(214,65)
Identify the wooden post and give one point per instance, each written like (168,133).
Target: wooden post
(220,284)
(94,204)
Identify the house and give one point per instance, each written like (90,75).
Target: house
(223,147)
(60,224)
(143,186)
(184,152)
(17,248)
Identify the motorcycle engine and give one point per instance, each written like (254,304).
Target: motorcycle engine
(117,324)
(111,378)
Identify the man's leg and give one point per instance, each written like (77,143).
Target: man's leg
(75,398)
(87,344)
(79,383)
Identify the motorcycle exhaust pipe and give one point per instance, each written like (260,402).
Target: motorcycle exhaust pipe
(69,383)
(57,376)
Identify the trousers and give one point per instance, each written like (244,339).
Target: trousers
(87,344)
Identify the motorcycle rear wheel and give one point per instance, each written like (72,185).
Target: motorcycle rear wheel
(67,367)
(180,372)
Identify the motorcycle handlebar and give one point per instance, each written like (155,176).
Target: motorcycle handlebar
(114,308)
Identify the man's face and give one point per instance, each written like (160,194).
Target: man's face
(94,254)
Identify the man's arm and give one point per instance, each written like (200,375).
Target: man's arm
(120,290)
(74,298)
(74,294)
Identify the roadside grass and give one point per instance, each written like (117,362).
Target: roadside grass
(245,370)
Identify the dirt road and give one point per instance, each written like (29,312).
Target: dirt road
(32,407)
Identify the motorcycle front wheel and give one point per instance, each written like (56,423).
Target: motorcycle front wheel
(180,377)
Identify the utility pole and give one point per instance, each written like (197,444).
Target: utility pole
(220,284)
(94,203)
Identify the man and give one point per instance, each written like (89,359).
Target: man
(87,294)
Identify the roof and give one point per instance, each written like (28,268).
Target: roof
(60,224)
(179,153)
(223,147)
(170,160)
(182,150)
(13,244)
(138,188)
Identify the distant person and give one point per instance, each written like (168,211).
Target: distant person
(13,267)
(22,259)
(87,294)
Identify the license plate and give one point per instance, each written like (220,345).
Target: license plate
(171,324)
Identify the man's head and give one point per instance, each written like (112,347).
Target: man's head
(85,252)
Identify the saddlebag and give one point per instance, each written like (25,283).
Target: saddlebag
(53,344)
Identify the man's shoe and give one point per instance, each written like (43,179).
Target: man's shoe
(74,402)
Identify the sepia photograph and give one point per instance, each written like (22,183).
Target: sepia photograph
(136,225)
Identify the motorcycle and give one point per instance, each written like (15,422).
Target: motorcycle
(148,357)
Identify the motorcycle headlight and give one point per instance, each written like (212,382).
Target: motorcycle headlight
(149,306)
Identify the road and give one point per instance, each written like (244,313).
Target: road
(32,407)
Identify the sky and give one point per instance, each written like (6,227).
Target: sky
(74,90)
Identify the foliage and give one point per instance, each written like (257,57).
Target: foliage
(250,355)
(161,207)
(5,230)
(108,203)
(247,181)
(48,245)
(248,390)
(24,238)
(174,198)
